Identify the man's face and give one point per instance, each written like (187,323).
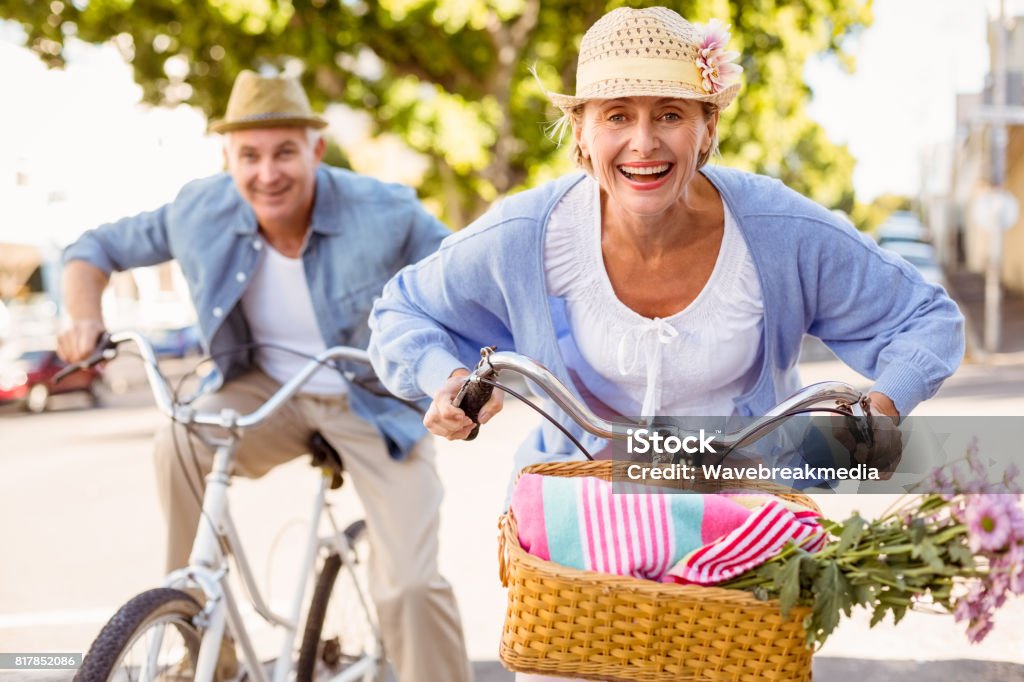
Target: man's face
(275,171)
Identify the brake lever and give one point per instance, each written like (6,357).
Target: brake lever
(860,421)
(474,394)
(105,350)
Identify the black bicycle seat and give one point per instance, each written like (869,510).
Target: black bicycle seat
(326,457)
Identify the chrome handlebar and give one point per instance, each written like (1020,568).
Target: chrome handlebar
(106,349)
(842,396)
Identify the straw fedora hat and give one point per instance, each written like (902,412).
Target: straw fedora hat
(649,52)
(266,102)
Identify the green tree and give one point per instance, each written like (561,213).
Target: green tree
(868,217)
(451,77)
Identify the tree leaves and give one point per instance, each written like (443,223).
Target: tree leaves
(474,57)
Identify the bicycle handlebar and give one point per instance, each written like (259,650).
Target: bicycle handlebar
(845,399)
(106,349)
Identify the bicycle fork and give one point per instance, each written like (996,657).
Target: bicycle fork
(208,569)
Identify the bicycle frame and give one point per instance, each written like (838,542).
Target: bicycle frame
(208,563)
(208,569)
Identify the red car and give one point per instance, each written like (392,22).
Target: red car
(29,379)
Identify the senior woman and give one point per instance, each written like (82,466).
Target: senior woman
(651,283)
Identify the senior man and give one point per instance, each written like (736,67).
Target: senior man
(282,251)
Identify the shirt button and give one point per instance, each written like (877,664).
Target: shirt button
(218,312)
(240,277)
(257,244)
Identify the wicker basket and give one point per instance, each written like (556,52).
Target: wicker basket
(567,622)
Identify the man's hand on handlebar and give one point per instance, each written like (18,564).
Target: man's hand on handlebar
(78,340)
(445,420)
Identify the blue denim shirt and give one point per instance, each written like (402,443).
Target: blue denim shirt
(363,231)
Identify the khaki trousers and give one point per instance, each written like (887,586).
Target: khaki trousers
(419,618)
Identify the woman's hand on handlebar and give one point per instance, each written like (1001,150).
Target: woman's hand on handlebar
(445,420)
(77,342)
(886,447)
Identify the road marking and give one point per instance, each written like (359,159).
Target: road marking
(10,621)
(46,618)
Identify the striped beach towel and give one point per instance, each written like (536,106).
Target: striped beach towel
(579,522)
(759,538)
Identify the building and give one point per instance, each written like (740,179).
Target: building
(32,236)
(976,168)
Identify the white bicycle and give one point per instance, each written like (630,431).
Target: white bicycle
(153,632)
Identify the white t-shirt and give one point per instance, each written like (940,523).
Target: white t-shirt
(279,310)
(693,363)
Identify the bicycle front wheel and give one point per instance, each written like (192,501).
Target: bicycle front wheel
(341,625)
(148,637)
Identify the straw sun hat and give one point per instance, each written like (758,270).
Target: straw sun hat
(653,52)
(266,102)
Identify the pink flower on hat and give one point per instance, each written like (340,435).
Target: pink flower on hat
(714,61)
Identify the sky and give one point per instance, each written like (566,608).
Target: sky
(91,152)
(901,101)
(88,150)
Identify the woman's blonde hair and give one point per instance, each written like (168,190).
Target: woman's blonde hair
(573,117)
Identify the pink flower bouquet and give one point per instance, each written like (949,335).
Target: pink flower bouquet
(959,546)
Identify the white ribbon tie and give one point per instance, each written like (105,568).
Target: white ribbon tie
(652,336)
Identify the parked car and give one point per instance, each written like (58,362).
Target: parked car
(28,379)
(921,256)
(176,343)
(901,226)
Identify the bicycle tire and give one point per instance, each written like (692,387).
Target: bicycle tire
(334,642)
(160,606)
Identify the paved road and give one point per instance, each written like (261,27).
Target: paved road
(80,533)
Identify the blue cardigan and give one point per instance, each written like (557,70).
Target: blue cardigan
(486,286)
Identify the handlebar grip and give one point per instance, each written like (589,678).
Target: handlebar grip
(98,355)
(475,397)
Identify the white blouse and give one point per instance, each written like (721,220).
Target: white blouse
(693,363)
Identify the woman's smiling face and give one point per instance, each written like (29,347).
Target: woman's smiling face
(643,151)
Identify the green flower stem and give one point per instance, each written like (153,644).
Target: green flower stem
(748,582)
(928,570)
(882,580)
(920,502)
